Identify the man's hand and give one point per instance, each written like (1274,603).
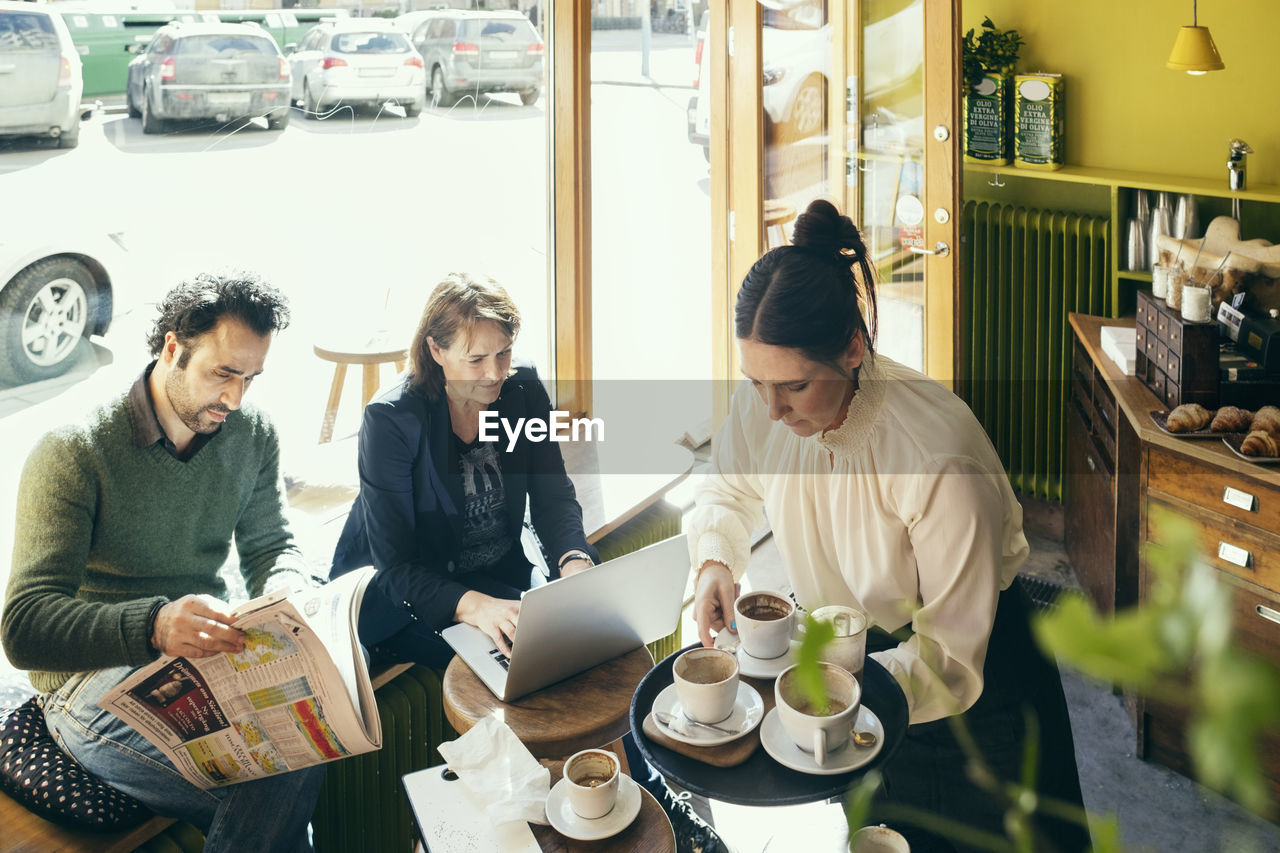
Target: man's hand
(196,626)
(496,617)
(713,601)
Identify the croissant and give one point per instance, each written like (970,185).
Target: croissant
(1260,443)
(1268,420)
(1188,418)
(1231,419)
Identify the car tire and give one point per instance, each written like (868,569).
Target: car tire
(66,284)
(134,112)
(530,98)
(808,110)
(279,119)
(413,109)
(151,123)
(70,137)
(440,96)
(310,105)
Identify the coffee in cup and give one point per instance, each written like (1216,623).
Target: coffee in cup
(593,782)
(706,683)
(765,621)
(820,728)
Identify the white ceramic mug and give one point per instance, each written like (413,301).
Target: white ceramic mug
(811,730)
(849,648)
(593,782)
(878,839)
(707,684)
(765,621)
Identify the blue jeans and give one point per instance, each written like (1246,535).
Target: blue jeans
(266,814)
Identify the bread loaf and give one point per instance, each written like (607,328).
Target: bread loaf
(1231,419)
(1188,417)
(1260,443)
(1268,420)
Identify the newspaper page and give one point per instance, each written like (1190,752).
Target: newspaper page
(299,694)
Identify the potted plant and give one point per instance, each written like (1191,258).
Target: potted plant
(987,66)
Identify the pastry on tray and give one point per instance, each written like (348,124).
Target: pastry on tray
(1188,417)
(1231,419)
(1260,443)
(1268,420)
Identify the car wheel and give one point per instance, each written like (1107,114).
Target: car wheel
(279,119)
(310,105)
(808,110)
(530,97)
(151,123)
(440,96)
(44,314)
(134,112)
(70,137)
(414,108)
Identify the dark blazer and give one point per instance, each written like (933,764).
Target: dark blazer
(406,520)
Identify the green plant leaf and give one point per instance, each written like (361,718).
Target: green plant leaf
(817,635)
(1125,649)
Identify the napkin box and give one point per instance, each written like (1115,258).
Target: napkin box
(1120,343)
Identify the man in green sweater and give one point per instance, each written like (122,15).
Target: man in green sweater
(123,524)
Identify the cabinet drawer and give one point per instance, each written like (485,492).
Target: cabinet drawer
(1245,553)
(1207,486)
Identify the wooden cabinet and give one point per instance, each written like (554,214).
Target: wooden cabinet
(1176,358)
(1233,507)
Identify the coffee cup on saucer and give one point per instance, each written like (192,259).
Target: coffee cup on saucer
(878,839)
(818,729)
(592,777)
(706,683)
(765,621)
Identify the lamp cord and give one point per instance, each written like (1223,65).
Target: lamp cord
(1194,20)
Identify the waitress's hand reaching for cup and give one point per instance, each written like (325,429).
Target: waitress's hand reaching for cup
(496,617)
(713,599)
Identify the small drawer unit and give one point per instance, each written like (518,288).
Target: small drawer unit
(1176,358)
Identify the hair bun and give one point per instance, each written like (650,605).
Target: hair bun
(823,228)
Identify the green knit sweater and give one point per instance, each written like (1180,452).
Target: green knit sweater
(106,528)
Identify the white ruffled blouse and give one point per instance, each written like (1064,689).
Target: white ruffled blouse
(903,511)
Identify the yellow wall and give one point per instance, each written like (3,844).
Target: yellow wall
(1125,110)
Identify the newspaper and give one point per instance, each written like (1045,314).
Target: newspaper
(299,694)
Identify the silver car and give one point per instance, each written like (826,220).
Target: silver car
(360,62)
(40,75)
(474,53)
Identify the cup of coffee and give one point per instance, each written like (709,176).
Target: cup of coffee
(849,648)
(825,727)
(878,839)
(593,782)
(765,621)
(706,683)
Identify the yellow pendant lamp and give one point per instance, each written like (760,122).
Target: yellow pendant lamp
(1194,51)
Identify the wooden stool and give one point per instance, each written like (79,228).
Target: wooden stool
(375,352)
(776,214)
(584,712)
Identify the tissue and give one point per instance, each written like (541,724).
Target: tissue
(496,766)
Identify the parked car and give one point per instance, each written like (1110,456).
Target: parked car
(40,75)
(54,293)
(360,62)
(208,71)
(474,53)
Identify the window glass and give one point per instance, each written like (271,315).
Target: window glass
(370,43)
(216,44)
(21,32)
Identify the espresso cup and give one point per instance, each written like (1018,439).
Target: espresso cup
(819,730)
(765,621)
(849,647)
(706,683)
(878,839)
(593,782)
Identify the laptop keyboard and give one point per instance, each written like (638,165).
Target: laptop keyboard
(503,660)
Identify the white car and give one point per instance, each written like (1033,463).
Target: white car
(55,291)
(40,75)
(358,62)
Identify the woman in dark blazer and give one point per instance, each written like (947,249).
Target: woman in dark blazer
(441,510)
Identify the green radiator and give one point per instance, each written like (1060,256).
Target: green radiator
(1023,271)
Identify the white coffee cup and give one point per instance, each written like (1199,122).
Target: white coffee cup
(706,683)
(849,648)
(593,782)
(765,621)
(878,839)
(810,728)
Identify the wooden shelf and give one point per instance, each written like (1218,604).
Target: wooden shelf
(1135,275)
(1136,180)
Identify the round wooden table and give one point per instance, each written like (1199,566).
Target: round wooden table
(372,352)
(650,832)
(586,711)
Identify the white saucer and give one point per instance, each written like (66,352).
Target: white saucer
(748,711)
(754,667)
(566,821)
(779,744)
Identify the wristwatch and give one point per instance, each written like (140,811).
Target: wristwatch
(574,555)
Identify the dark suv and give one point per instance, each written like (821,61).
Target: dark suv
(209,71)
(474,53)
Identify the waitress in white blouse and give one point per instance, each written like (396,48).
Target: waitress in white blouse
(884,494)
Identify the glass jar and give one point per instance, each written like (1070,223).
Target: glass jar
(1196,302)
(1160,281)
(1177,279)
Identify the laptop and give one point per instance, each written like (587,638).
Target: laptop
(572,624)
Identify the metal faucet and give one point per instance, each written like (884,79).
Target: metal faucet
(1236,163)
